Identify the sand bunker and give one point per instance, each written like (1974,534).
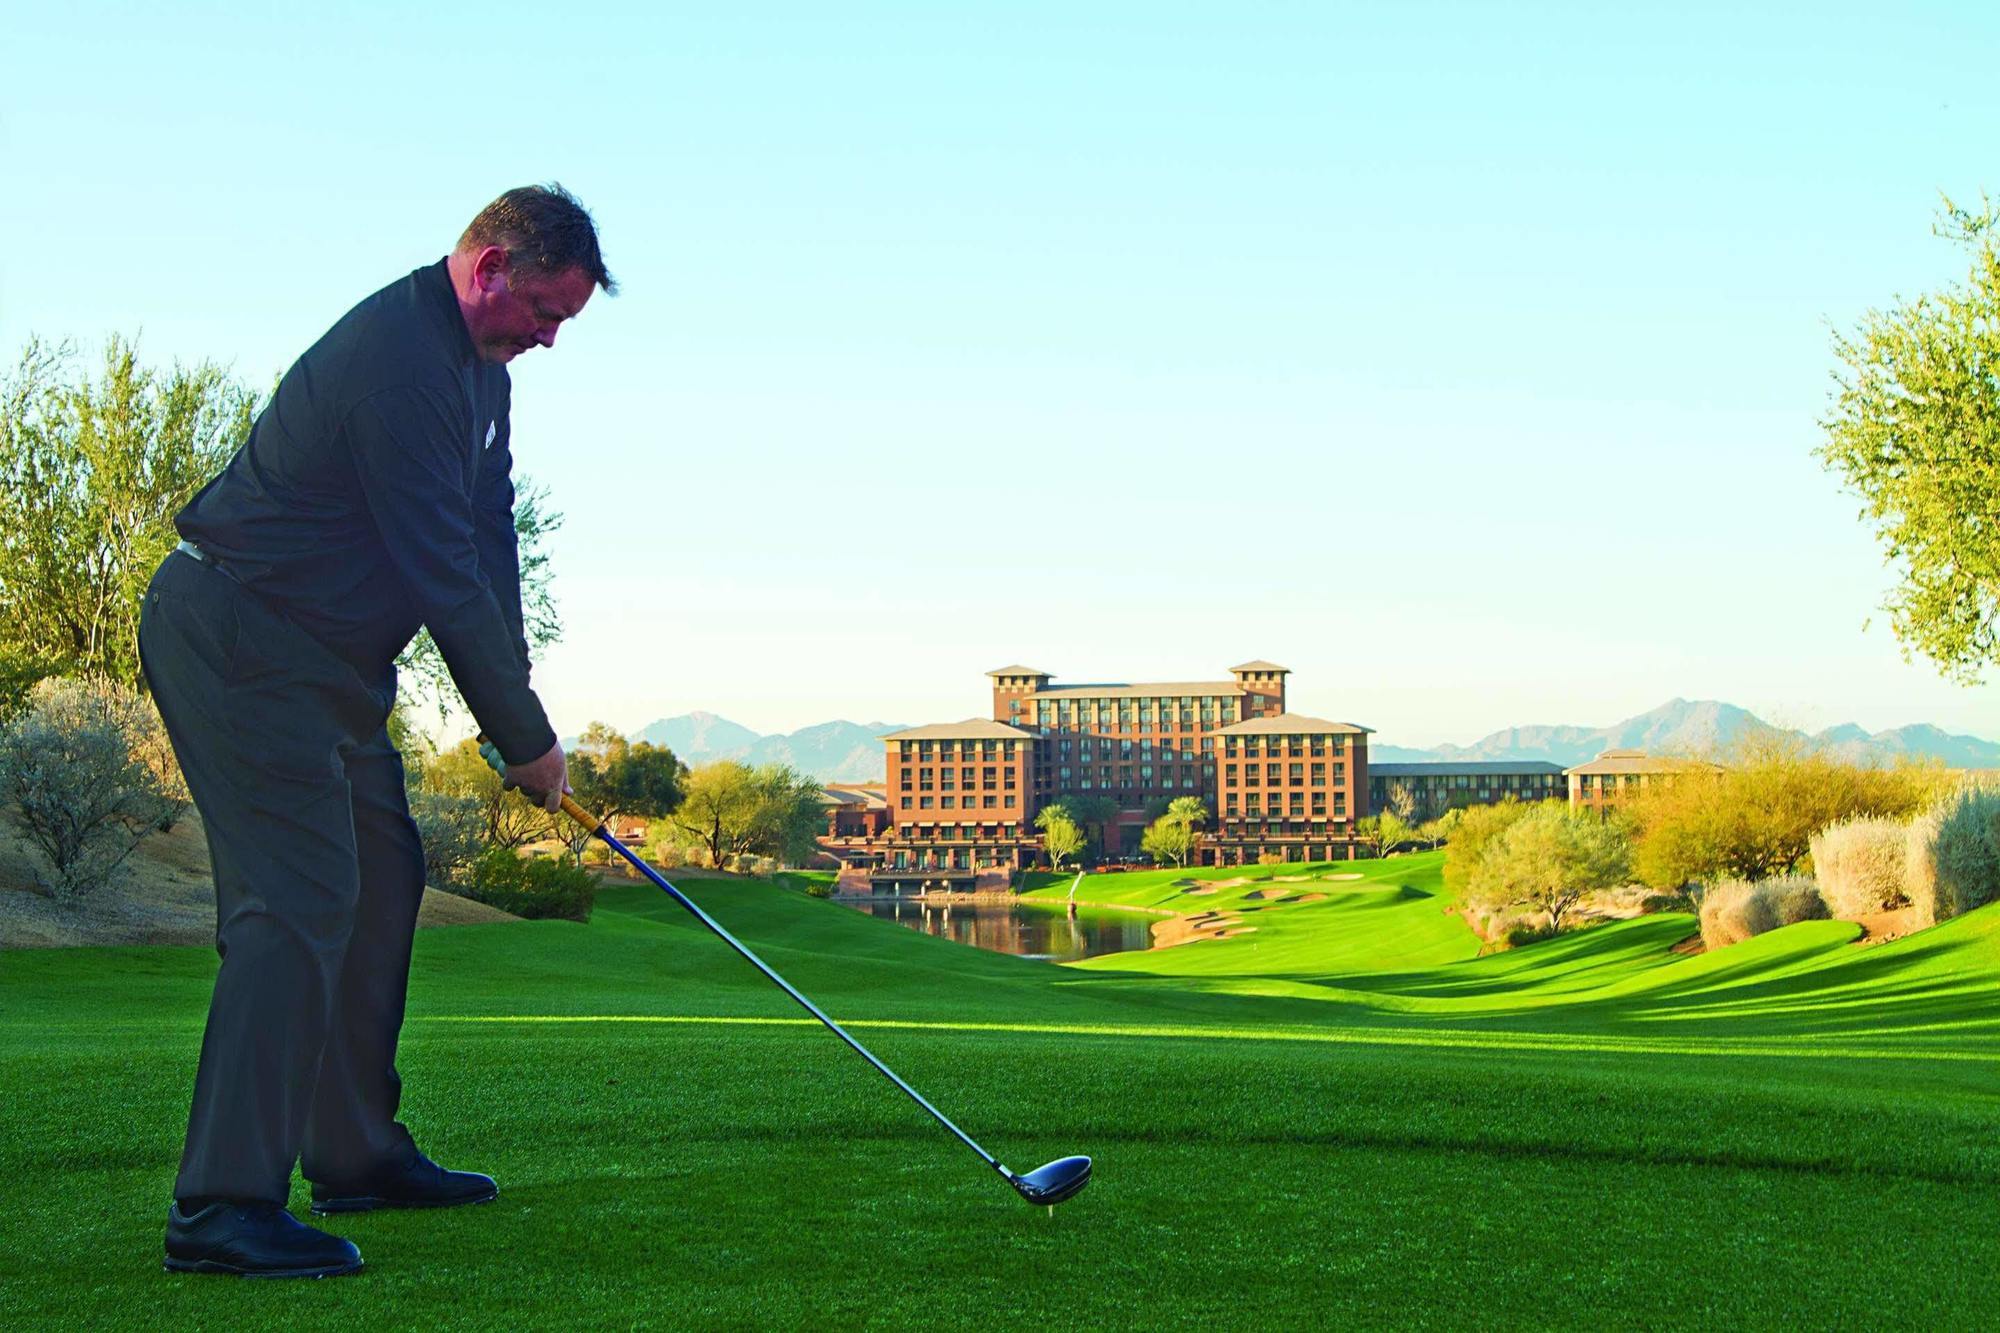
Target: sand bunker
(1349,875)
(1197,893)
(1290,879)
(1307,898)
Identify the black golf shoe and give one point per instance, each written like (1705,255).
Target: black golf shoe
(253,1240)
(421,1184)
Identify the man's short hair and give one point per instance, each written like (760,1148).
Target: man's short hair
(544,230)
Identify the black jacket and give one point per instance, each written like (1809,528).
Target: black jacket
(374,496)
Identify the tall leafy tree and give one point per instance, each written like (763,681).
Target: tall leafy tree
(1915,431)
(731,809)
(1548,859)
(1062,836)
(92,470)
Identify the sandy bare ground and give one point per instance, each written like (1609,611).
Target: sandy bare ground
(163,895)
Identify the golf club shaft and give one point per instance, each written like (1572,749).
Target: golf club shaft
(597,826)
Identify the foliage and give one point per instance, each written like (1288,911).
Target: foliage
(92,472)
(610,776)
(1736,909)
(1476,827)
(506,819)
(1172,837)
(1268,858)
(1859,866)
(453,830)
(1755,816)
(532,886)
(1915,431)
(1092,812)
(728,809)
(1547,860)
(1443,828)
(425,677)
(1062,836)
(81,796)
(1963,851)
(1401,802)
(1920,864)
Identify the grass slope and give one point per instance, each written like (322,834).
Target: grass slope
(1342,1117)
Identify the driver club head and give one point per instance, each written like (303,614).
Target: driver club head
(1061,1179)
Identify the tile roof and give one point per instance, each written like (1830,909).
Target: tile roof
(1261,665)
(1638,761)
(976,728)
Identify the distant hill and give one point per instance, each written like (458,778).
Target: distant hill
(829,751)
(1694,726)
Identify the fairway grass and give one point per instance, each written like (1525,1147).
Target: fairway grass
(1344,1117)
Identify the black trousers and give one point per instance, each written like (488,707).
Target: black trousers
(318,877)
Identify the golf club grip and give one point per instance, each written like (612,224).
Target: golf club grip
(591,823)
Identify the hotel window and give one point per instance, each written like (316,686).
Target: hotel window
(1252,776)
(908,778)
(1229,772)
(1296,772)
(924,803)
(1010,778)
(906,802)
(1145,775)
(945,782)
(1187,781)
(989,775)
(1251,804)
(924,774)
(1339,772)
(948,802)
(1085,784)
(1271,774)
(1319,775)
(988,802)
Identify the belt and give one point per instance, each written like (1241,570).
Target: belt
(188,548)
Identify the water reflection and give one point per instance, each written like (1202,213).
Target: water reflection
(1029,930)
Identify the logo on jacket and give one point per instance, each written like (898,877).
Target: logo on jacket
(492,429)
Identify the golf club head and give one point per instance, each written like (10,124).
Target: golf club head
(1061,1179)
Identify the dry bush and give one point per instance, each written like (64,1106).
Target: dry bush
(1920,865)
(1270,859)
(83,799)
(1859,866)
(1736,909)
(1964,854)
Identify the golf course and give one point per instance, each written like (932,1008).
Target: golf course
(1323,1109)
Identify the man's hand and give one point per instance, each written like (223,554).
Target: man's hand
(545,780)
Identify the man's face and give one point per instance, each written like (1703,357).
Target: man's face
(517,312)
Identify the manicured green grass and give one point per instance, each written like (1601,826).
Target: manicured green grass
(1341,1118)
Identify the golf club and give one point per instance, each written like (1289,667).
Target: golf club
(1059,1180)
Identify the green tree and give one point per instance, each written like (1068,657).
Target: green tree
(1547,860)
(1915,431)
(1477,826)
(1062,836)
(1173,836)
(506,819)
(92,472)
(1755,816)
(1093,813)
(731,809)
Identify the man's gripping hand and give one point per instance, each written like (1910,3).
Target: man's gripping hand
(545,780)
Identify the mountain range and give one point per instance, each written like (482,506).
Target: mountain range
(829,751)
(852,751)
(1698,726)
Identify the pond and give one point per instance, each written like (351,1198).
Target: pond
(1028,930)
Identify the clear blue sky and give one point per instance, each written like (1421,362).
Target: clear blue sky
(1465,358)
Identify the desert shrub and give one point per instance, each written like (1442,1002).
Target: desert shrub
(1270,859)
(1736,909)
(453,829)
(1920,865)
(1546,861)
(1526,932)
(73,784)
(1964,854)
(532,886)
(665,855)
(763,867)
(1859,866)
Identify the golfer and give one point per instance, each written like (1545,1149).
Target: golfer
(372,497)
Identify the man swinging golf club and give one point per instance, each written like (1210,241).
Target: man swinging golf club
(373,496)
